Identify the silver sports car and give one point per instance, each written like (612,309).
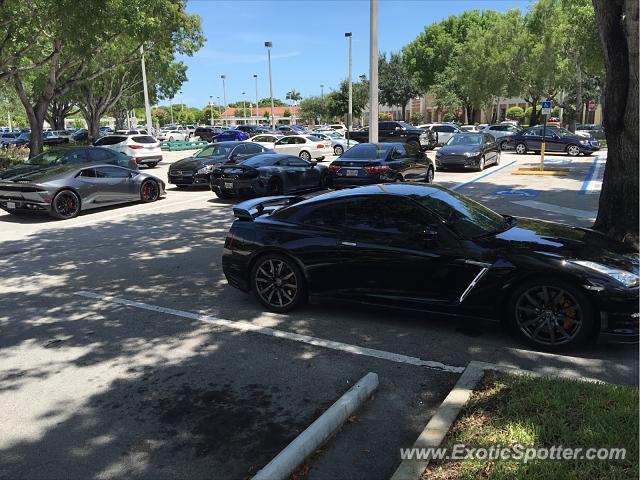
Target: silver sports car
(65,190)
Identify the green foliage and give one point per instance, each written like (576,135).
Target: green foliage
(417,117)
(515,113)
(266,102)
(286,113)
(312,106)
(338,100)
(384,116)
(397,84)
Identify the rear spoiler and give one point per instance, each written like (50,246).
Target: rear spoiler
(250,209)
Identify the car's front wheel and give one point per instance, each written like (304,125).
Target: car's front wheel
(278,283)
(338,150)
(550,314)
(503,144)
(521,148)
(573,150)
(149,191)
(65,205)
(430,174)
(305,155)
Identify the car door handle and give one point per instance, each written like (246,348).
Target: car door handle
(349,244)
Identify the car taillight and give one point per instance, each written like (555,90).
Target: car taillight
(334,168)
(135,147)
(376,169)
(320,146)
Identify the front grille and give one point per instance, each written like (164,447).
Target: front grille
(181,173)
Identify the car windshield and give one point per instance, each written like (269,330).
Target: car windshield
(563,132)
(367,151)
(405,125)
(214,151)
(258,161)
(465,139)
(468,218)
(47,158)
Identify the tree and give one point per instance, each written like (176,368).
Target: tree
(416,117)
(293,96)
(311,107)
(618,28)
(396,83)
(338,101)
(286,113)
(58,110)
(515,113)
(62,44)
(266,102)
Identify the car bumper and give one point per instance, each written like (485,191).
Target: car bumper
(346,182)
(14,204)
(254,186)
(442,163)
(589,148)
(146,159)
(193,179)
(619,317)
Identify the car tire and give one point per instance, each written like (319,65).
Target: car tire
(305,155)
(503,144)
(171,139)
(430,175)
(573,150)
(520,148)
(275,187)
(223,195)
(338,150)
(414,144)
(530,313)
(498,158)
(65,205)
(324,181)
(277,282)
(481,164)
(149,191)
(152,164)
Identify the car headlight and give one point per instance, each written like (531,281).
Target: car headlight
(472,154)
(628,279)
(207,169)
(584,142)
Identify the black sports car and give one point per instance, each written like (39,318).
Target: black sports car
(426,247)
(468,150)
(73,155)
(369,163)
(195,170)
(270,174)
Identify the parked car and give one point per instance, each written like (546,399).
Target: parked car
(173,135)
(556,140)
(468,151)
(143,149)
(15,140)
(268,174)
(469,128)
(428,248)
(500,132)
(69,155)
(132,131)
(397,132)
(63,191)
(442,131)
(369,163)
(229,135)
(81,135)
(291,130)
(206,133)
(592,130)
(304,146)
(267,140)
(51,138)
(338,142)
(195,170)
(253,129)
(7,138)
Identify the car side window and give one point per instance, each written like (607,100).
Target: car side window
(88,172)
(111,172)
(412,151)
(284,141)
(77,156)
(295,162)
(249,148)
(323,216)
(239,150)
(259,139)
(387,215)
(99,155)
(533,132)
(397,153)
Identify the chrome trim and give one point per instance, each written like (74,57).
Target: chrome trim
(479,264)
(475,281)
(348,244)
(594,288)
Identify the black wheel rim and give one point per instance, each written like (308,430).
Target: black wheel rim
(149,191)
(66,204)
(549,315)
(276,283)
(276,188)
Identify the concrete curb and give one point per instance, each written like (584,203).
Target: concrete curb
(448,411)
(285,463)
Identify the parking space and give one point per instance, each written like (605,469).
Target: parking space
(123,346)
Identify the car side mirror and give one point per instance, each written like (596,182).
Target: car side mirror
(397,129)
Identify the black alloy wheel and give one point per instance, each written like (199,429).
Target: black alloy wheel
(277,283)
(65,205)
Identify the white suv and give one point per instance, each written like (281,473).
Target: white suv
(143,149)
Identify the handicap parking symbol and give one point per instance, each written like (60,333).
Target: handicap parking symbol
(557,161)
(517,192)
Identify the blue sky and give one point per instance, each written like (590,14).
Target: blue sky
(309,47)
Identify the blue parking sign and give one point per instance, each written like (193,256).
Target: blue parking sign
(546,107)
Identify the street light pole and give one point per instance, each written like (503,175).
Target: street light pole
(273,108)
(224,93)
(181,102)
(211,108)
(219,107)
(145,89)
(171,110)
(244,107)
(350,111)
(256,77)
(321,91)
(373,72)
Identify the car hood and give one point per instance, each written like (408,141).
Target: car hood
(458,149)
(192,163)
(538,237)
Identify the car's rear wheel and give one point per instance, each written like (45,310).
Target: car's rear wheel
(324,181)
(152,164)
(149,191)
(573,150)
(503,144)
(521,148)
(430,174)
(550,314)
(65,205)
(275,187)
(171,139)
(305,155)
(223,195)
(414,144)
(338,150)
(278,283)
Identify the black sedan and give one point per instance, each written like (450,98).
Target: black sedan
(72,155)
(369,163)
(556,140)
(268,174)
(196,170)
(426,247)
(468,151)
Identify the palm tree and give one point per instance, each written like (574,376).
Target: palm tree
(294,96)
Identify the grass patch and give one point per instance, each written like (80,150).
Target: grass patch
(544,412)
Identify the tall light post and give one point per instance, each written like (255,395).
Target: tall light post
(171,110)
(181,102)
(256,78)
(321,91)
(211,108)
(350,110)
(244,107)
(145,89)
(273,108)
(224,94)
(373,71)
(219,106)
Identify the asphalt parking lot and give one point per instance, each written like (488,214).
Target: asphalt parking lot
(125,354)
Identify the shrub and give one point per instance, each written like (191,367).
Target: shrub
(515,113)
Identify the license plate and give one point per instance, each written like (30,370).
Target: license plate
(11,205)
(228,184)
(150,148)
(352,173)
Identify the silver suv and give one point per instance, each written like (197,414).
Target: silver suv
(500,132)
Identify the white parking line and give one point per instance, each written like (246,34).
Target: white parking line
(548,207)
(296,337)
